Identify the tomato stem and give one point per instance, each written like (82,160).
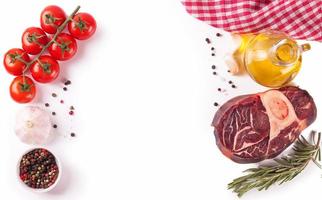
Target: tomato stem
(22,60)
(45,66)
(44,48)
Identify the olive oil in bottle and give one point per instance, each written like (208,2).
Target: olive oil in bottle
(271,58)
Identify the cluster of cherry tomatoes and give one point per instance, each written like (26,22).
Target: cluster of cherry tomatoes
(38,41)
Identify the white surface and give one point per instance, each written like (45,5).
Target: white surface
(144,91)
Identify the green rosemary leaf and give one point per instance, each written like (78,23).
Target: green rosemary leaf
(317,163)
(284,169)
(282,162)
(304,141)
(319,155)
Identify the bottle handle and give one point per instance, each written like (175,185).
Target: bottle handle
(305,47)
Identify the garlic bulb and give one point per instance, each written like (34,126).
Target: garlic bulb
(232,64)
(33,126)
(234,59)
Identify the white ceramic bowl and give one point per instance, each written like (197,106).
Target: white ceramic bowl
(34,189)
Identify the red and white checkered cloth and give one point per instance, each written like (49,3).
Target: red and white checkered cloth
(301,19)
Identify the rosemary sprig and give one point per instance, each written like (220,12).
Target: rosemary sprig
(284,169)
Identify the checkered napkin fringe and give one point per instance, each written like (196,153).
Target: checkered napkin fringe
(301,19)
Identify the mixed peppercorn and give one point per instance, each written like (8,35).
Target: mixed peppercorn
(215,68)
(38,169)
(71,109)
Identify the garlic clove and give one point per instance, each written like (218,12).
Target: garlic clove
(232,65)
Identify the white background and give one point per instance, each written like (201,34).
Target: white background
(143,90)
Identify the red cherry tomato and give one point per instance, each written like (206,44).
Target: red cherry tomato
(33,40)
(51,18)
(45,69)
(22,89)
(64,48)
(14,61)
(83,26)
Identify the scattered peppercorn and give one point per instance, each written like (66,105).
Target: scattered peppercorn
(38,169)
(53,113)
(47,104)
(54,95)
(214,68)
(65,88)
(71,108)
(73,135)
(55,126)
(68,82)
(216,104)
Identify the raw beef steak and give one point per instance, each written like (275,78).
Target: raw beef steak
(255,127)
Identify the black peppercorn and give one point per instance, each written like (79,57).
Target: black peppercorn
(68,82)
(218,34)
